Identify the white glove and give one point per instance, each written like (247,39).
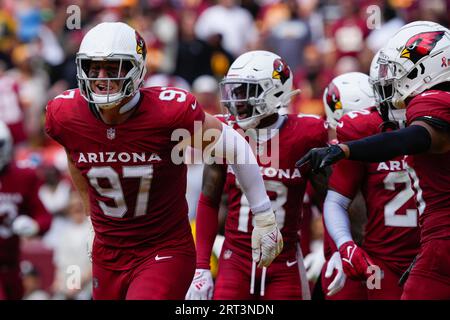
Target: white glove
(202,286)
(338,283)
(267,241)
(25,226)
(313,263)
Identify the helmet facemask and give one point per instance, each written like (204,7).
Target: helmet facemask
(386,92)
(124,77)
(245,100)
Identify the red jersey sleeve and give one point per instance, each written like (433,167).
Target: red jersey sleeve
(190,115)
(52,127)
(430,104)
(348,175)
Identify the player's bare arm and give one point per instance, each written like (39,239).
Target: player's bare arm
(214,176)
(357,212)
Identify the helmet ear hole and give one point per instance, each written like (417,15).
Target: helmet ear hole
(129,86)
(413,74)
(278,94)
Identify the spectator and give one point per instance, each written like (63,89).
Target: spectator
(11,105)
(206,90)
(164,80)
(289,38)
(33,83)
(193,55)
(31,279)
(350,31)
(390,24)
(234,23)
(71,257)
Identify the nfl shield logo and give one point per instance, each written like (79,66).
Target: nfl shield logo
(111,133)
(227,254)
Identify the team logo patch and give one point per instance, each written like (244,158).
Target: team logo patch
(281,70)
(140,45)
(111,133)
(420,45)
(333,97)
(227,254)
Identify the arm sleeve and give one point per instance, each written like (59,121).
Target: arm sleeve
(385,146)
(336,217)
(205,230)
(239,155)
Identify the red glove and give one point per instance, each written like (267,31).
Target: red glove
(355,261)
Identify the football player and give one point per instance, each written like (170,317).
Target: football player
(22,214)
(256,86)
(347,93)
(391,236)
(125,157)
(414,73)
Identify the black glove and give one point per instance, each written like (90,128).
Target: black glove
(320,158)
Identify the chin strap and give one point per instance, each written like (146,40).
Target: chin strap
(127,107)
(287,99)
(267,133)
(130,104)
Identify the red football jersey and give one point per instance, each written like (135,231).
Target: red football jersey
(285,184)
(136,190)
(431,171)
(305,218)
(391,232)
(19,189)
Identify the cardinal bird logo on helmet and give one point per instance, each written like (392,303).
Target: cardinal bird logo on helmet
(281,70)
(140,45)
(334,97)
(420,45)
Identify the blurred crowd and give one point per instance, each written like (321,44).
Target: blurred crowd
(190,44)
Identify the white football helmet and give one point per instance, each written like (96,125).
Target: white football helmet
(348,92)
(373,72)
(387,111)
(6,145)
(112,41)
(257,84)
(415,59)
